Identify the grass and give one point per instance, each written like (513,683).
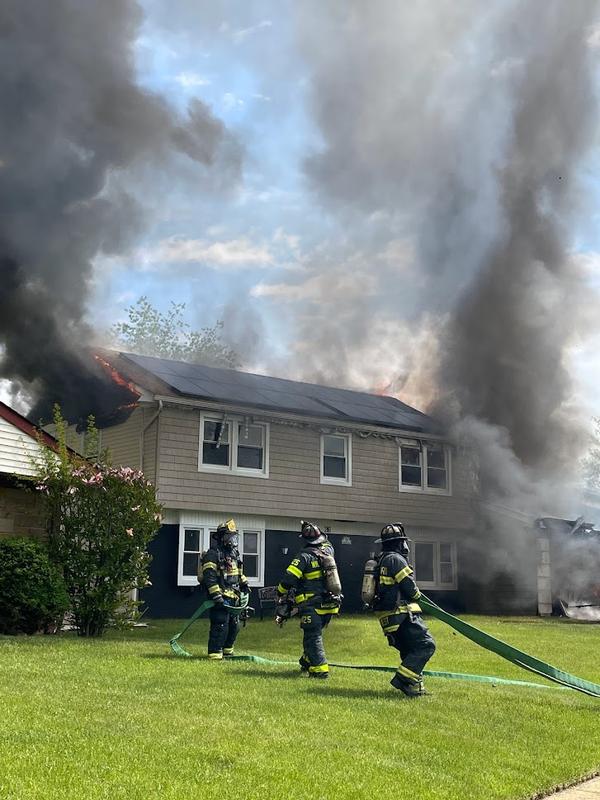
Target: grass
(122,718)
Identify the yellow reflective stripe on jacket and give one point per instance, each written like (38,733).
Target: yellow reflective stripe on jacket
(209,565)
(294,571)
(386,581)
(402,573)
(311,576)
(281,589)
(417,595)
(214,589)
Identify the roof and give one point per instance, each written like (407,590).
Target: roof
(23,424)
(277,394)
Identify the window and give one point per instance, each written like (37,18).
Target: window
(215,443)
(234,445)
(336,459)
(435,565)
(192,542)
(251,446)
(195,539)
(251,550)
(425,467)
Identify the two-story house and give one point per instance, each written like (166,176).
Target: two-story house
(270,452)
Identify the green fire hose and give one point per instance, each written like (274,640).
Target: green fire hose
(512,654)
(206,605)
(518,657)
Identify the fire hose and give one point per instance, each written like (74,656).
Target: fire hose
(205,606)
(479,637)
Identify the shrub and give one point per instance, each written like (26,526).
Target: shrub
(101,519)
(32,591)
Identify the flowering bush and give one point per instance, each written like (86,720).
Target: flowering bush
(101,520)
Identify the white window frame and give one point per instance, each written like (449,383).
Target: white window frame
(207,528)
(232,468)
(260,580)
(326,479)
(437,583)
(424,488)
(189,580)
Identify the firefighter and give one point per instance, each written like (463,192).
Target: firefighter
(312,581)
(399,613)
(224,580)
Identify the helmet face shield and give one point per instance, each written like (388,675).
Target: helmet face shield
(230,540)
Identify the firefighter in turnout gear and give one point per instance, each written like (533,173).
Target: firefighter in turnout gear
(312,579)
(399,613)
(224,581)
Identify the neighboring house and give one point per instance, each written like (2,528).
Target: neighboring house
(270,452)
(21,511)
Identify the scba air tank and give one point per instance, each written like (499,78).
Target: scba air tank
(369,582)
(330,574)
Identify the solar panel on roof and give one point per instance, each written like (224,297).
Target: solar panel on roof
(232,386)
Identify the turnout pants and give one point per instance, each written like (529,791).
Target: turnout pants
(223,632)
(313,625)
(416,646)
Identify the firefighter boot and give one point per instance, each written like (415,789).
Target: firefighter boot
(304,663)
(228,652)
(407,686)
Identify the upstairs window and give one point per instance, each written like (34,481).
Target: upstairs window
(215,443)
(235,446)
(336,459)
(424,467)
(251,446)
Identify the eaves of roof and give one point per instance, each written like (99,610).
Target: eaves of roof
(23,424)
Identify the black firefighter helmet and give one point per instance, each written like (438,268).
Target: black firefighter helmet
(394,532)
(311,533)
(227,534)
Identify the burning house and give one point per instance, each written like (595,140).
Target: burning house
(270,452)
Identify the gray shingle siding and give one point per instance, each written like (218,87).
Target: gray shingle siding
(293,487)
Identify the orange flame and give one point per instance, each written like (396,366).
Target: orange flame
(117,378)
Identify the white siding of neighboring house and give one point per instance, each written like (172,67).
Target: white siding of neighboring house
(17,450)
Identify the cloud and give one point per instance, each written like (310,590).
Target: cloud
(241,35)
(230,101)
(191,79)
(232,254)
(325,288)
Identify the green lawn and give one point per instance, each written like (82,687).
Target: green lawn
(123,718)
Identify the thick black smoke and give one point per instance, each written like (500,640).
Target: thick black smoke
(460,127)
(74,122)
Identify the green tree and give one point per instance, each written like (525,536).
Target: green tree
(149,332)
(101,520)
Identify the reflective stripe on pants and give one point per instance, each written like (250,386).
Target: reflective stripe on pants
(415,644)
(313,625)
